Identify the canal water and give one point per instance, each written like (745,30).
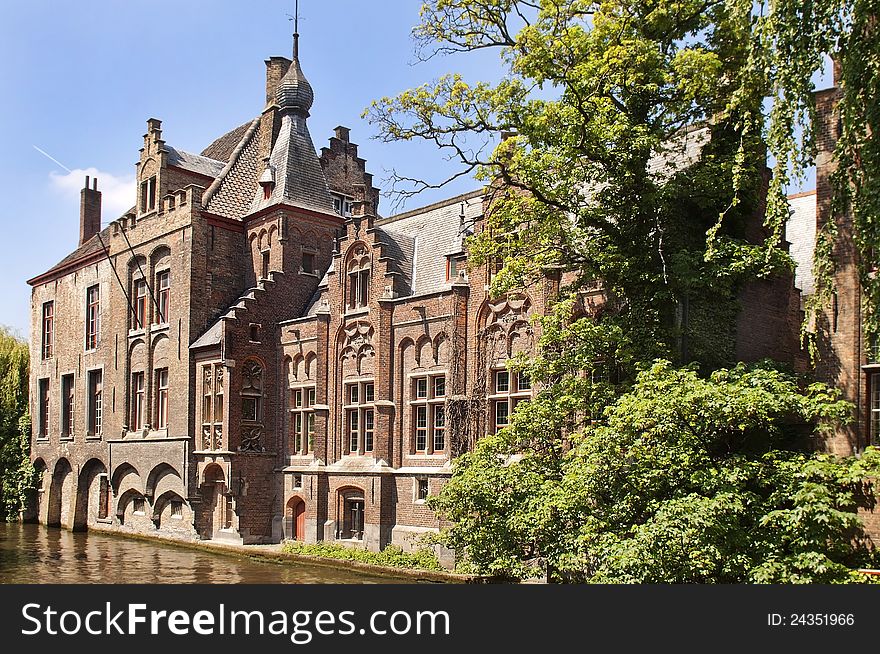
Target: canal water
(31,554)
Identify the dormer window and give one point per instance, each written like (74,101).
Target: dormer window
(454,265)
(342,205)
(148,195)
(267,181)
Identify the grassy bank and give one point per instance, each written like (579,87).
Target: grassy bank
(392,556)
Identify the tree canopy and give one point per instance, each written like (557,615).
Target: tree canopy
(635,150)
(16,471)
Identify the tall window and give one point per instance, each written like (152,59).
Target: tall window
(874,417)
(163,286)
(148,194)
(162,398)
(43,424)
(264,258)
(429,414)
(93,317)
(252,392)
(138,399)
(359,279)
(67,404)
(360,416)
(139,319)
(96,401)
(508,390)
(212,406)
(48,329)
(302,409)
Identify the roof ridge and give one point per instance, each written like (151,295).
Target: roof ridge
(233,158)
(430,207)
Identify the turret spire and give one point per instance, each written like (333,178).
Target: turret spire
(296,30)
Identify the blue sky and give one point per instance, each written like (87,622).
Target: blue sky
(80,79)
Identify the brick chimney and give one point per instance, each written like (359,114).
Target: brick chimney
(89,211)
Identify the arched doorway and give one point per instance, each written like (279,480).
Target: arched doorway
(295,520)
(217,501)
(350,512)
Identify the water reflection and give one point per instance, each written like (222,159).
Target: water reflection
(33,554)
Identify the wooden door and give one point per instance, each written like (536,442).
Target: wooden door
(299,521)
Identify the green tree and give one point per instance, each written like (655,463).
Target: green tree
(16,472)
(606,105)
(685,480)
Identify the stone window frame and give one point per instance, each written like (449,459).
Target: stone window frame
(67,405)
(509,397)
(433,406)
(362,410)
(163,295)
(140,313)
(94,402)
(303,397)
(139,418)
(47,345)
(162,404)
(358,277)
(418,482)
(252,390)
(44,406)
(310,252)
(212,410)
(93,318)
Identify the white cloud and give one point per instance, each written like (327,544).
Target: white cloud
(117,192)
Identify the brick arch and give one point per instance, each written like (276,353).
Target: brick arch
(122,471)
(424,351)
(160,477)
(60,493)
(88,488)
(311,360)
(162,501)
(441,349)
(125,499)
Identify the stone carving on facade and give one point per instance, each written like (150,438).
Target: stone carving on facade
(251,439)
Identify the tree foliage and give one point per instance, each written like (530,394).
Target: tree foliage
(637,139)
(684,480)
(16,471)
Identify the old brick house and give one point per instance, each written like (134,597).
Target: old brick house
(252,353)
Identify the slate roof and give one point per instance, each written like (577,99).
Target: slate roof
(299,177)
(232,192)
(223,147)
(425,237)
(800,232)
(211,337)
(194,162)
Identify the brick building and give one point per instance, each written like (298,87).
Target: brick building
(252,353)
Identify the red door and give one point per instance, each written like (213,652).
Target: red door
(299,521)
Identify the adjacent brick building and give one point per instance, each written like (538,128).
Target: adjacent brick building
(253,353)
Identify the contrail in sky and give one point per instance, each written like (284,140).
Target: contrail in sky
(49,156)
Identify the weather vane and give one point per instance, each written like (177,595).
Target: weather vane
(295,19)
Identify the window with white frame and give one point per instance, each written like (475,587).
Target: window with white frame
(138,400)
(428,407)
(163,290)
(508,390)
(360,416)
(302,408)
